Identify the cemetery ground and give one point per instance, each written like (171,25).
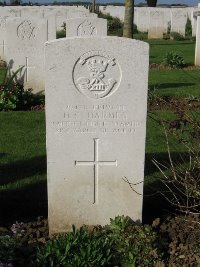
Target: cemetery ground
(23,191)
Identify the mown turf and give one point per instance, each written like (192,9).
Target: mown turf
(22,165)
(159,48)
(178,82)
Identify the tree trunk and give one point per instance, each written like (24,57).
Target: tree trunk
(93,6)
(128,19)
(151,3)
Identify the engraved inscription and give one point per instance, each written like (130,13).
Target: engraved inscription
(86,29)
(179,15)
(26,30)
(97,119)
(156,15)
(97,75)
(96,163)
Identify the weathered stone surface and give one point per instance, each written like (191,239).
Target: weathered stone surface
(96,98)
(156,24)
(86,27)
(178,20)
(25,47)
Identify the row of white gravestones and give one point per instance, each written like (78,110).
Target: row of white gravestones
(60,13)
(96,98)
(23,45)
(155,21)
(197,48)
(52,14)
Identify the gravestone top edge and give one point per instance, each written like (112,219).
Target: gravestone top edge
(109,38)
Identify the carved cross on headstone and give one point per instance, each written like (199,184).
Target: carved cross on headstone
(96,163)
(3,44)
(27,67)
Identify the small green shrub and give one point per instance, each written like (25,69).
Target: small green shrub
(153,93)
(188,28)
(115,26)
(14,97)
(61,33)
(174,60)
(176,36)
(7,249)
(10,91)
(122,243)
(132,244)
(78,248)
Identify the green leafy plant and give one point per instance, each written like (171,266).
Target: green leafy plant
(122,243)
(7,249)
(115,26)
(61,33)
(132,244)
(10,91)
(174,60)
(153,93)
(78,248)
(14,97)
(188,28)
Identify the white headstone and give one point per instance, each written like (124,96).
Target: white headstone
(39,12)
(77,13)
(96,102)
(86,27)
(142,19)
(156,24)
(178,20)
(25,47)
(2,37)
(197,48)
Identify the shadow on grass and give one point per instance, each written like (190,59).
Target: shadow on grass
(18,170)
(154,203)
(23,204)
(177,158)
(172,43)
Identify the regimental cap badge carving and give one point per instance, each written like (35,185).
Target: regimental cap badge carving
(86,28)
(26,30)
(96,74)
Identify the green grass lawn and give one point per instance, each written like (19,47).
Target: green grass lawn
(159,48)
(177,82)
(22,165)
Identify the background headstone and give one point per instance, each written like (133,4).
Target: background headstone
(96,101)
(86,27)
(178,20)
(25,47)
(156,24)
(197,48)
(3,42)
